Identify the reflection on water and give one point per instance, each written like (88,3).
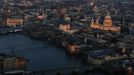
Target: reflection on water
(40,57)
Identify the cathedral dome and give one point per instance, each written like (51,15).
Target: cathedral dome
(108,21)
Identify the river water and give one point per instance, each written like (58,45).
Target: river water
(41,55)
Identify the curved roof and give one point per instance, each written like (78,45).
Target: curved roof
(108,16)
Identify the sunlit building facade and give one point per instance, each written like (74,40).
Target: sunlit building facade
(106,26)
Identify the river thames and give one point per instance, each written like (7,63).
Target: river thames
(40,55)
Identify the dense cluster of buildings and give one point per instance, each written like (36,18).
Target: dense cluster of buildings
(97,30)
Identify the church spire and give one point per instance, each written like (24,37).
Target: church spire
(92,21)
